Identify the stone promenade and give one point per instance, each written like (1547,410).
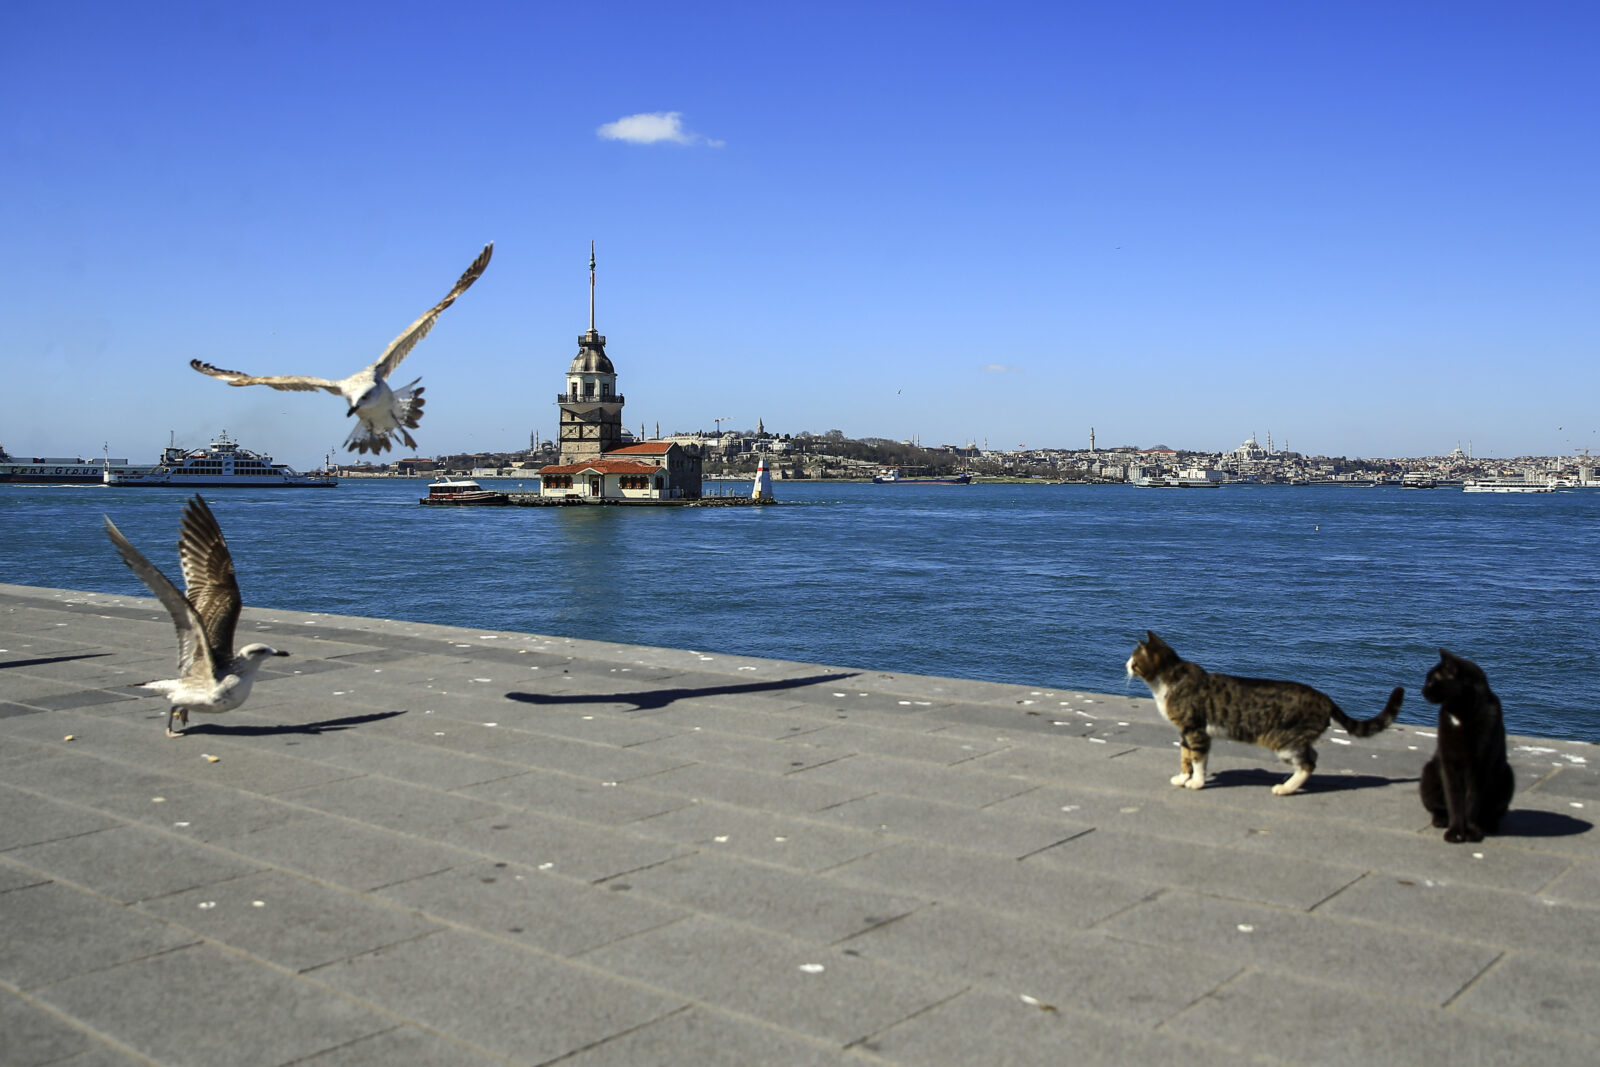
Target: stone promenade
(426,845)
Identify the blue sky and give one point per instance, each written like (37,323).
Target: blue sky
(1370,229)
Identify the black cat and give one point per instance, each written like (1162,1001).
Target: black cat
(1467,785)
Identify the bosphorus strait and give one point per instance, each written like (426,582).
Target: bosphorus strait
(1350,590)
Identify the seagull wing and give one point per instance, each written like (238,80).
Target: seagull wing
(208,578)
(400,346)
(194,655)
(298,382)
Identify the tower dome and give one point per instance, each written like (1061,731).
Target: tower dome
(591,357)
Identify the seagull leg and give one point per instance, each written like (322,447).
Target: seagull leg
(183,717)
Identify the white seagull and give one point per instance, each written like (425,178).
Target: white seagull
(384,412)
(210,677)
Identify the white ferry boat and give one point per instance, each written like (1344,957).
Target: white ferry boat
(1506,485)
(223,465)
(62,470)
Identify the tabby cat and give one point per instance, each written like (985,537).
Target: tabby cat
(1285,717)
(1467,785)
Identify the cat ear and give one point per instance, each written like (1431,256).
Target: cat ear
(1150,638)
(1446,655)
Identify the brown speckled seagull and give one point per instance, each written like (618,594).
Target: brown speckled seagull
(210,677)
(383,412)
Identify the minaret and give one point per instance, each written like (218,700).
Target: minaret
(591,407)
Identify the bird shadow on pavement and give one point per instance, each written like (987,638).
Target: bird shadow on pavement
(323,727)
(655,699)
(49,659)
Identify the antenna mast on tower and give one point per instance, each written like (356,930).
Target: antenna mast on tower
(591,287)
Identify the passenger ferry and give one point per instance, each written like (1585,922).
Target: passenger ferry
(62,470)
(1506,485)
(462,492)
(223,465)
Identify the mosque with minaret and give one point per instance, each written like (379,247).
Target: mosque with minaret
(594,464)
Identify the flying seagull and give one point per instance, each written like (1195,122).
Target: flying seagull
(384,412)
(210,677)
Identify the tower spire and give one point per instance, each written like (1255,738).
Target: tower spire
(591,287)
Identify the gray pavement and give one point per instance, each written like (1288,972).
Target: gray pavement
(426,845)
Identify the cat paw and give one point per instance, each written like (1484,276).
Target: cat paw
(1283,789)
(1440,821)
(1195,781)
(1179,779)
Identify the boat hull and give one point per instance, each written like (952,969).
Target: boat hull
(60,473)
(468,500)
(959,479)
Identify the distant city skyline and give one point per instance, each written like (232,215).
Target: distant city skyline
(1369,227)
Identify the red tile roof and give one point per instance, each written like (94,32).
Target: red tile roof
(604,466)
(647,448)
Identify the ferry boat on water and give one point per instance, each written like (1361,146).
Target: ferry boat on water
(222,465)
(1506,485)
(461,492)
(62,470)
(893,476)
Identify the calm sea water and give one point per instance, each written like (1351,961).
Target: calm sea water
(1351,590)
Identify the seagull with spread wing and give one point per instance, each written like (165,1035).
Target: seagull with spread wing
(210,677)
(383,412)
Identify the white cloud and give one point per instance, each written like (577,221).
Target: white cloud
(653,128)
(999,368)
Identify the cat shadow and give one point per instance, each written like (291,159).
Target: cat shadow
(323,727)
(1525,822)
(1317,783)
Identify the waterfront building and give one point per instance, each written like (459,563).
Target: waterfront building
(654,470)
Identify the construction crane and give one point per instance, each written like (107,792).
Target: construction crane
(719,422)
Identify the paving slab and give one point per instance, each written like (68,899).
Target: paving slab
(539,909)
(243,1012)
(797,903)
(1380,959)
(571,847)
(131,863)
(32,1036)
(779,840)
(54,932)
(425,844)
(1019,1030)
(1289,1020)
(795,984)
(1053,964)
(293,922)
(708,1038)
(508,1001)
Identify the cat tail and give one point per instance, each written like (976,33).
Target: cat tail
(1390,712)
